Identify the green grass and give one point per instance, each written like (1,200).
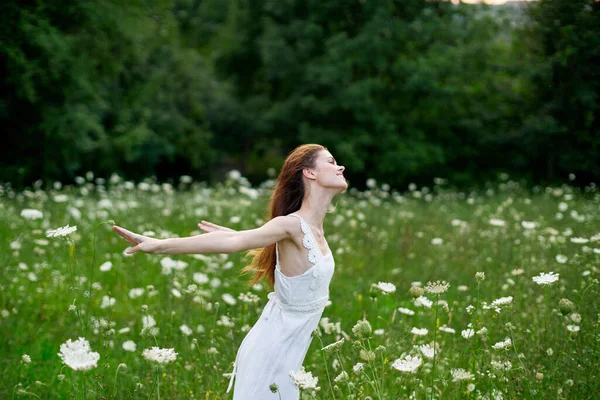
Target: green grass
(376,236)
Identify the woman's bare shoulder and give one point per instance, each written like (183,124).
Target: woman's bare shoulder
(290,224)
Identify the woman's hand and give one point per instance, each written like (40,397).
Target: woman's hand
(210,227)
(139,242)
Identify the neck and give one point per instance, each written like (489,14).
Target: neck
(314,206)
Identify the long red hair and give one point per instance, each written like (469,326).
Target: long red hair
(286,198)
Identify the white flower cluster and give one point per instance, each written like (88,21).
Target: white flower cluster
(545,278)
(29,213)
(460,374)
(419,332)
(333,346)
(427,350)
(61,232)
(407,363)
(330,327)
(385,287)
(502,345)
(158,355)
(406,311)
(304,379)
(78,355)
(248,297)
(437,287)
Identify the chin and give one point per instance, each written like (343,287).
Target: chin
(342,188)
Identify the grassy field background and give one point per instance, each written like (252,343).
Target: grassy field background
(55,289)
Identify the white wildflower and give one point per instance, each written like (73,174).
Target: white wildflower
(200,278)
(136,292)
(561,259)
(342,377)
(460,374)
(468,333)
(61,232)
(528,224)
(228,299)
(129,345)
(186,330)
(497,222)
(359,367)
(161,356)
(546,278)
(303,379)
(423,301)
(106,266)
(427,350)
(78,355)
(406,311)
(437,287)
(502,345)
(29,213)
(333,346)
(579,240)
(446,329)
(385,287)
(407,363)
(502,301)
(107,302)
(419,332)
(330,327)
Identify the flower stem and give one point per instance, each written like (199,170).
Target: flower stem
(437,305)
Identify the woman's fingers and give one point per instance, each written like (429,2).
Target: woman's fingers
(207,226)
(211,227)
(133,249)
(130,237)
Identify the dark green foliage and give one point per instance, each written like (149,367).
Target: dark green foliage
(399,90)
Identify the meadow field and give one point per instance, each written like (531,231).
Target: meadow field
(437,293)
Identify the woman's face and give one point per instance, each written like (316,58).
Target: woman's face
(328,173)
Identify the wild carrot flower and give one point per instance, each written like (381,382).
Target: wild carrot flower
(362,328)
(468,333)
(385,287)
(419,332)
(546,278)
(406,311)
(61,232)
(160,356)
(358,368)
(78,355)
(407,363)
(304,379)
(502,345)
(460,374)
(333,346)
(129,345)
(342,377)
(29,213)
(437,287)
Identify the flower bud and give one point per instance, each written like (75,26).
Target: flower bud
(416,291)
(566,306)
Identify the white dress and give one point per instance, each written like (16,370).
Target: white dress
(279,341)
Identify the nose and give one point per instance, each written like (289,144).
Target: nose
(341,168)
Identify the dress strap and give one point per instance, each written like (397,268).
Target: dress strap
(308,241)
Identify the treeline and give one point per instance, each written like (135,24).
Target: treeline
(399,90)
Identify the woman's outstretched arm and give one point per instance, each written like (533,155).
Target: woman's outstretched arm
(214,242)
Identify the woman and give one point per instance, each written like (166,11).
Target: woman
(293,256)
